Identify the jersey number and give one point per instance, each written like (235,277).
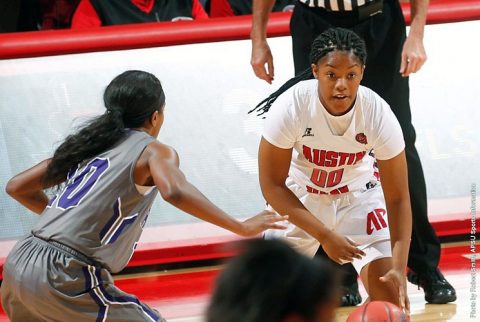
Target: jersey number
(326,179)
(82,183)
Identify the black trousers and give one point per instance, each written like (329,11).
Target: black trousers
(384,35)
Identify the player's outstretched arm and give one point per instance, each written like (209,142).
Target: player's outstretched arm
(27,187)
(163,164)
(393,173)
(274,163)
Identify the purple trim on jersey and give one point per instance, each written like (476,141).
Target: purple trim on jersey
(51,201)
(124,299)
(88,281)
(102,308)
(124,225)
(109,224)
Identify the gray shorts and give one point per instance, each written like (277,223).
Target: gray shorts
(44,282)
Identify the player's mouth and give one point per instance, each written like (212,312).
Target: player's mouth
(340,97)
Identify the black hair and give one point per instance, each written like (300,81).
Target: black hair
(269,281)
(130,99)
(332,39)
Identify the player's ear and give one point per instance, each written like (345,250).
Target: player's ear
(315,70)
(154,119)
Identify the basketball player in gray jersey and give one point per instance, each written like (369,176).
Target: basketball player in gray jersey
(107,173)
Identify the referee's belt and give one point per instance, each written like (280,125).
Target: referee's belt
(362,12)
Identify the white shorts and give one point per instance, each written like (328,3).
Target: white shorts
(360,216)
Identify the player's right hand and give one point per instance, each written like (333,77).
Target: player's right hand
(341,249)
(397,277)
(262,55)
(261,222)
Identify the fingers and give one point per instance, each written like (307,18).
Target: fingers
(276,226)
(411,63)
(270,216)
(401,286)
(349,256)
(271,221)
(355,252)
(261,72)
(403,64)
(261,56)
(413,55)
(346,253)
(271,71)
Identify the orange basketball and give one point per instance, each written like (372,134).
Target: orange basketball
(378,311)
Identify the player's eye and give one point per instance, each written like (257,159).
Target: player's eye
(351,76)
(330,75)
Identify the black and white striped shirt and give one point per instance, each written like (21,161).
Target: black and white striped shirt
(336,5)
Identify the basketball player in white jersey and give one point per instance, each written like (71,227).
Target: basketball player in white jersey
(109,173)
(318,157)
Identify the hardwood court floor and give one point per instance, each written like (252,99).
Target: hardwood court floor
(182,295)
(455,263)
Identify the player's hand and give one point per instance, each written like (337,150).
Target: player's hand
(341,249)
(262,55)
(400,282)
(413,55)
(262,221)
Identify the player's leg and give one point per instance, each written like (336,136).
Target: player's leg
(15,309)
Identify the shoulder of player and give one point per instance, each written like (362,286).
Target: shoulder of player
(158,150)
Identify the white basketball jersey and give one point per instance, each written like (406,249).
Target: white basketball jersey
(328,163)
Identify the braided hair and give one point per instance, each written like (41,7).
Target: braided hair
(330,40)
(130,99)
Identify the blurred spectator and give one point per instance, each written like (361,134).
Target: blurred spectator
(57,14)
(225,8)
(270,282)
(9,11)
(31,15)
(96,13)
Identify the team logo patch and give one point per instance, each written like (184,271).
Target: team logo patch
(308,132)
(361,138)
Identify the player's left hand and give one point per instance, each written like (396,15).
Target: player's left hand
(413,55)
(400,282)
(262,221)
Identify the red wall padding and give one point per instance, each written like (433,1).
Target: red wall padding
(58,42)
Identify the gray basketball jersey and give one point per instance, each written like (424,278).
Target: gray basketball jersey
(100,212)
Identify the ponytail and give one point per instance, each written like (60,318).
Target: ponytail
(130,99)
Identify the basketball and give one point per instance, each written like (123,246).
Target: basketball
(378,311)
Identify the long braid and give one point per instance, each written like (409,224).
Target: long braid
(332,39)
(306,74)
